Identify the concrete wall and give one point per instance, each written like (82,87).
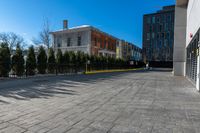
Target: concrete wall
(193,19)
(179,56)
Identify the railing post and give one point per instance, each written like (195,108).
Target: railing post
(26,71)
(56,69)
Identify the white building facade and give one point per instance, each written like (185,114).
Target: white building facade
(75,39)
(187,40)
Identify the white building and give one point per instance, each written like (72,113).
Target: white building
(68,39)
(186,40)
(85,38)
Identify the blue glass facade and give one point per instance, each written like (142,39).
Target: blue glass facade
(158,35)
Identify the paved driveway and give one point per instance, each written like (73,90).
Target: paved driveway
(145,102)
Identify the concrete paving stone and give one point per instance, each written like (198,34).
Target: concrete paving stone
(83,124)
(124,129)
(13,129)
(59,129)
(43,130)
(129,102)
(104,126)
(35,128)
(92,130)
(4,125)
(74,130)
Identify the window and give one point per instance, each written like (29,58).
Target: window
(169,18)
(166,26)
(160,28)
(105,42)
(148,36)
(163,35)
(68,42)
(109,45)
(153,20)
(168,35)
(59,45)
(58,42)
(165,43)
(95,41)
(158,20)
(160,46)
(158,36)
(150,28)
(79,40)
(101,43)
(55,40)
(153,35)
(148,20)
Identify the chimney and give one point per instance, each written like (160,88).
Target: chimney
(65,24)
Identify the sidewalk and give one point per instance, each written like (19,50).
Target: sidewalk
(120,102)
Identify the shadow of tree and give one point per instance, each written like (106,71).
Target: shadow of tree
(47,87)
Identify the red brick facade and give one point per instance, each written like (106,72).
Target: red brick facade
(102,42)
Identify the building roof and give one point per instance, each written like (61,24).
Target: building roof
(82,28)
(73,29)
(165,9)
(85,28)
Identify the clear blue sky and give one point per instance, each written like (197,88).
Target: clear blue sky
(121,18)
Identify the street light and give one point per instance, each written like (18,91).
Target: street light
(87,63)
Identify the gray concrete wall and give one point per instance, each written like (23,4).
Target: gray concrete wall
(179,56)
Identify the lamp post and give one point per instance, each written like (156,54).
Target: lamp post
(87,63)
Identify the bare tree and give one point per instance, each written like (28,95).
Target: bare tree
(12,39)
(44,36)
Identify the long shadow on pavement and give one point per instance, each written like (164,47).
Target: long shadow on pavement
(46,87)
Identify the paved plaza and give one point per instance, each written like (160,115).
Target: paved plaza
(129,102)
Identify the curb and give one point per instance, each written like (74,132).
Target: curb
(111,71)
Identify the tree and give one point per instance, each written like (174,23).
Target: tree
(72,60)
(59,60)
(18,62)
(92,62)
(102,62)
(5,61)
(42,60)
(51,61)
(31,61)
(66,60)
(44,35)
(83,60)
(12,39)
(78,61)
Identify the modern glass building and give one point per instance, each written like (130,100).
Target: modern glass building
(158,35)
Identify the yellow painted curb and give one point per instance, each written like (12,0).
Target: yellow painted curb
(110,71)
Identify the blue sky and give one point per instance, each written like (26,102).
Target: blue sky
(121,18)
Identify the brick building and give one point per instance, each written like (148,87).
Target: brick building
(85,38)
(93,41)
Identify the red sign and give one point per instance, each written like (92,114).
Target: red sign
(191,35)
